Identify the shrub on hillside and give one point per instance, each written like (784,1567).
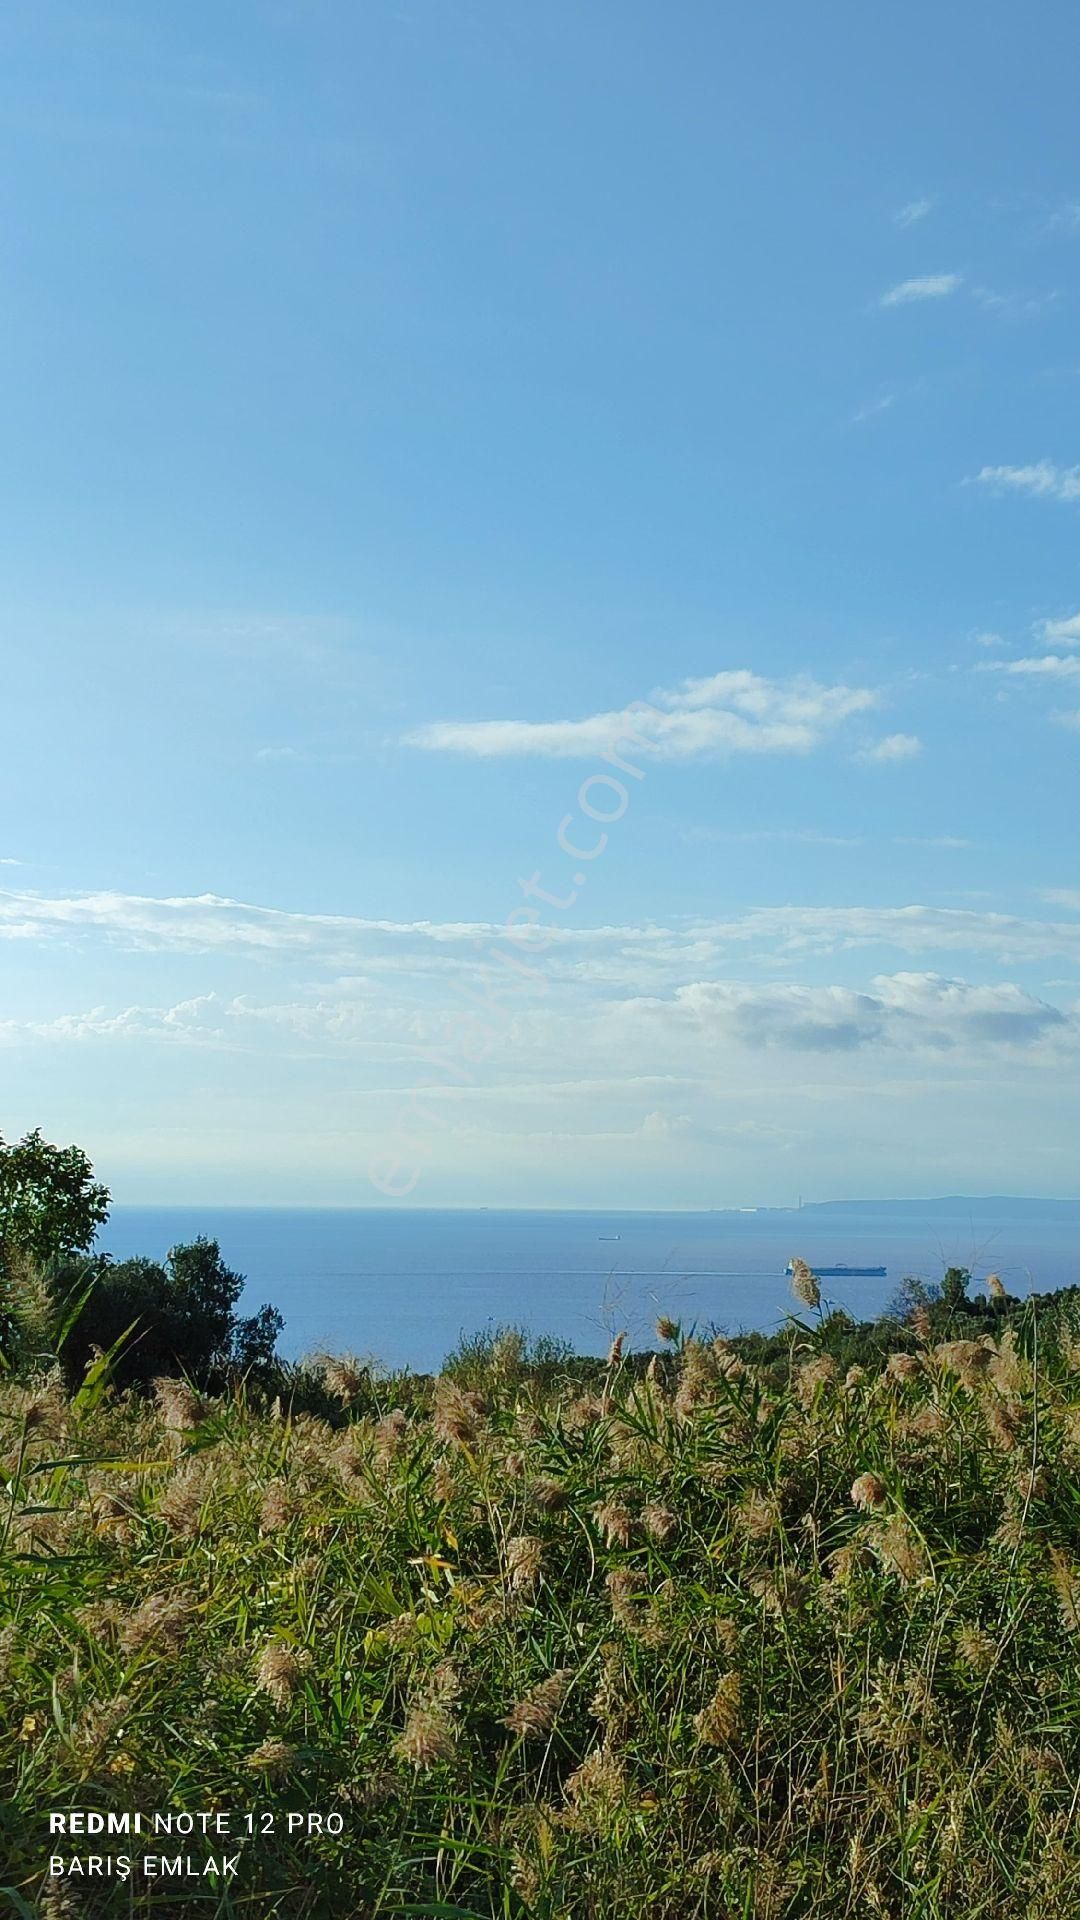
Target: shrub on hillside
(176,1317)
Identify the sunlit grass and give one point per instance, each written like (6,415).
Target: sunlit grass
(712,1641)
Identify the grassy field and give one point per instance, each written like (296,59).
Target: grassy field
(722,1638)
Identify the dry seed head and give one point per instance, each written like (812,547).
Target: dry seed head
(441,1687)
(718,1722)
(9,1641)
(184,1497)
(391,1433)
(59,1902)
(1070,1432)
(428,1738)
(179,1405)
(922,1325)
(344,1375)
(43,1409)
(1008,1369)
(99,1723)
(1009,1532)
(968,1359)
(278,1507)
(697,1374)
(928,1424)
(584,1412)
(868,1491)
(508,1354)
(813,1376)
(456,1415)
(280,1670)
(624,1587)
(1070,1348)
(659,1522)
(101,1618)
(757,1514)
(377,1787)
(615,1351)
(548,1494)
(1066,1579)
(1003,1419)
(976,1648)
(524,1554)
(351,1466)
(901,1549)
(804,1284)
(535,1713)
(610,1698)
(598,1787)
(275,1758)
(844,1564)
(902,1367)
(995,1288)
(443,1484)
(667,1330)
(727,1362)
(615,1522)
(162,1621)
(780,1591)
(401,1631)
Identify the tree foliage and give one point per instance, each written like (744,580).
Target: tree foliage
(50,1204)
(182,1316)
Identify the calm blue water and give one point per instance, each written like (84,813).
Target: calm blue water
(404,1285)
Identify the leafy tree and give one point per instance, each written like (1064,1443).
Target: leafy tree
(50,1204)
(182,1316)
(954,1287)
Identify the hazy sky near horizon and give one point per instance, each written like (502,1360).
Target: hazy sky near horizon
(394,394)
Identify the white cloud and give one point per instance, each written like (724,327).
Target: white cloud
(803,836)
(730,712)
(895,746)
(593,956)
(206,923)
(1015,306)
(927,286)
(873,409)
(913,212)
(909,1010)
(10,863)
(1070,718)
(1064,897)
(1053,666)
(1062,633)
(911,929)
(579,1048)
(948,841)
(1044,479)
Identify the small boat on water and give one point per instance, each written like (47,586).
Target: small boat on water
(609,1236)
(841,1272)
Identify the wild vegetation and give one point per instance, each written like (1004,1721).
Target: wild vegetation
(783,1628)
(723,1637)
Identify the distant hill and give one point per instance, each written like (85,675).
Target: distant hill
(987,1206)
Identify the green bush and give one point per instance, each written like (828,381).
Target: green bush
(173,1318)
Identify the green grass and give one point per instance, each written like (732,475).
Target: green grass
(732,1689)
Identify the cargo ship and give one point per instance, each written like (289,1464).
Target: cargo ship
(842,1272)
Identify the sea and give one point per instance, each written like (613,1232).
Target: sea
(404,1285)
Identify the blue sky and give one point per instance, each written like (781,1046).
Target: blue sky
(395,395)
